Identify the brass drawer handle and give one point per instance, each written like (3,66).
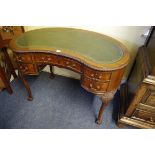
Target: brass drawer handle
(67,62)
(98,87)
(23,68)
(19,59)
(91,85)
(49,59)
(26,68)
(92,75)
(100,77)
(74,65)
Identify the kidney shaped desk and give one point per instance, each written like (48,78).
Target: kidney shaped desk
(99,59)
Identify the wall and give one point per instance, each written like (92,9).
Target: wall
(130,36)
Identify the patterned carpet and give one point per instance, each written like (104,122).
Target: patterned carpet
(58,103)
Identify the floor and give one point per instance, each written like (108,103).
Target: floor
(59,103)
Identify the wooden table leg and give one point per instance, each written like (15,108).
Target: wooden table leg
(51,72)
(106,98)
(12,70)
(30,97)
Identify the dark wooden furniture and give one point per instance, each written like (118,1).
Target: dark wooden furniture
(6,68)
(99,59)
(138,94)
(4,75)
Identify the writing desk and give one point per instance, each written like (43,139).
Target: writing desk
(99,59)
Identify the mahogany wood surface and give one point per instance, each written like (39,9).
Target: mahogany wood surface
(95,78)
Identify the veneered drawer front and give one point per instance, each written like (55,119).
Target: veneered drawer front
(27,68)
(46,58)
(97,74)
(147,116)
(94,85)
(26,58)
(70,63)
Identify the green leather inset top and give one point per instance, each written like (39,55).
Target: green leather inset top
(94,46)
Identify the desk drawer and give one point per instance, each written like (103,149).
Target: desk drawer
(26,58)
(46,58)
(94,85)
(70,63)
(27,68)
(97,74)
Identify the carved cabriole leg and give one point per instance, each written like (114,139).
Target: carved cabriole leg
(30,97)
(106,98)
(51,72)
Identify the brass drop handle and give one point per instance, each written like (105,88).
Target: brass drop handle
(67,62)
(44,59)
(26,68)
(19,59)
(92,75)
(98,87)
(100,77)
(49,58)
(91,85)
(23,68)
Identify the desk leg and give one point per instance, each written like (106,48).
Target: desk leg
(51,70)
(106,98)
(30,97)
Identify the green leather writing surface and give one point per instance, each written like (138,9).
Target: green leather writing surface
(94,46)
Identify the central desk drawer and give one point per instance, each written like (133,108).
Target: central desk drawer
(27,68)
(70,63)
(46,58)
(26,58)
(97,74)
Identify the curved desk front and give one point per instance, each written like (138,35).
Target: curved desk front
(99,59)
